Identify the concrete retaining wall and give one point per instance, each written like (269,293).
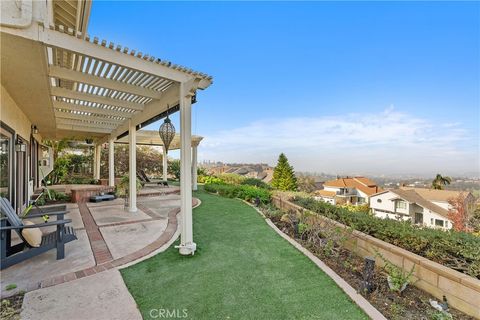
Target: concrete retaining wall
(462,291)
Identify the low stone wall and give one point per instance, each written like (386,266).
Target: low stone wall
(462,291)
(83,194)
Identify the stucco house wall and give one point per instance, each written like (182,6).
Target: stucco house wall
(13,116)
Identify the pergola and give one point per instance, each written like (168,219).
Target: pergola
(72,85)
(152,138)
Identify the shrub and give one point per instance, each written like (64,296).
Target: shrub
(244,192)
(271,211)
(456,250)
(256,182)
(212,180)
(122,187)
(231,178)
(51,196)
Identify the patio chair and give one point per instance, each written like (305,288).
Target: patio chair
(144,178)
(11,255)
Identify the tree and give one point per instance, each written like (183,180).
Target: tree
(174,168)
(440,182)
(283,175)
(306,184)
(148,158)
(57,146)
(459,213)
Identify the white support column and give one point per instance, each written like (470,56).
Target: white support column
(98,153)
(132,167)
(194,168)
(111,159)
(165,163)
(187,246)
(94,162)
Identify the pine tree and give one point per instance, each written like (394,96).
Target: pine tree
(283,175)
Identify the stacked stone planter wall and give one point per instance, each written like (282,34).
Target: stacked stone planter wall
(462,291)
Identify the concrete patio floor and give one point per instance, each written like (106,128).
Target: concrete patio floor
(101,296)
(108,236)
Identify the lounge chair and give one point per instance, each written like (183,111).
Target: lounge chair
(144,179)
(11,255)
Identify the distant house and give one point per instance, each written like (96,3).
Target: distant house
(441,197)
(425,207)
(348,190)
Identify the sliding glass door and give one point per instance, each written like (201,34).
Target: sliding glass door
(6,163)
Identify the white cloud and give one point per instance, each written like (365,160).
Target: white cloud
(389,141)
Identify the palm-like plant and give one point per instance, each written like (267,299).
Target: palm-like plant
(440,182)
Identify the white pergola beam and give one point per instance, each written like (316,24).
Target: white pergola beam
(79,107)
(103,125)
(73,116)
(70,43)
(152,109)
(66,93)
(82,128)
(77,76)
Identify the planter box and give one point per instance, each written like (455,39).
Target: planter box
(83,194)
(462,291)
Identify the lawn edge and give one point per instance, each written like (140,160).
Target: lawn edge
(359,300)
(163,248)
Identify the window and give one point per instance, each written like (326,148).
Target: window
(361,200)
(379,200)
(431,221)
(418,218)
(446,224)
(438,223)
(400,204)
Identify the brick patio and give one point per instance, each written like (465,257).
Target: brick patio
(152,208)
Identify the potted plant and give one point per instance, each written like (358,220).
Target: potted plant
(122,187)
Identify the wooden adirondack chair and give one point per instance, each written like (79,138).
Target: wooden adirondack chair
(11,255)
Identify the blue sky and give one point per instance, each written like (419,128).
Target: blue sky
(340,87)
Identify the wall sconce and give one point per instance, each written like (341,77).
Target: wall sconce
(105,146)
(20,146)
(34,129)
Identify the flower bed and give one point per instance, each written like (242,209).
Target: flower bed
(329,242)
(457,250)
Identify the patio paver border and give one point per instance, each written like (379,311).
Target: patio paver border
(129,259)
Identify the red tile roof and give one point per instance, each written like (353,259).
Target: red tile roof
(363,184)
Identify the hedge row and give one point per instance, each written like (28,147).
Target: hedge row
(245,192)
(456,250)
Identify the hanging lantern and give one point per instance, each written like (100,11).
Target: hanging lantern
(167,132)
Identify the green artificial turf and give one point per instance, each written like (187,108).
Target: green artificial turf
(241,270)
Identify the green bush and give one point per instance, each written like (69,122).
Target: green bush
(456,250)
(248,193)
(256,182)
(231,178)
(52,196)
(212,180)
